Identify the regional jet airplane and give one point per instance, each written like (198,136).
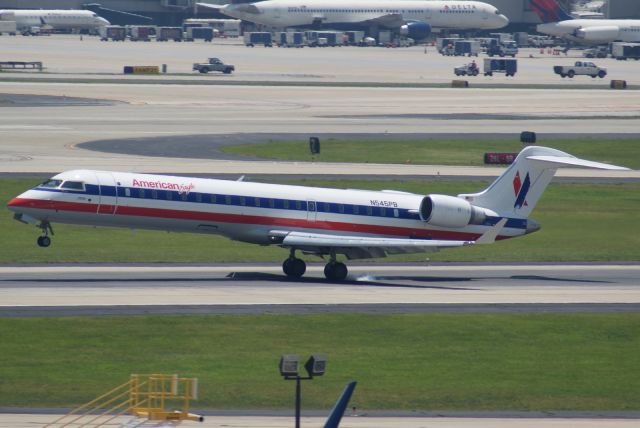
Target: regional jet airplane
(556,22)
(356,223)
(413,18)
(55,19)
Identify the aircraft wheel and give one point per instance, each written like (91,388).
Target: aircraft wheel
(44,241)
(335,271)
(294,268)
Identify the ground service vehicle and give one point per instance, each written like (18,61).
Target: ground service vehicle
(507,66)
(169,33)
(214,64)
(258,38)
(580,68)
(203,33)
(113,32)
(502,49)
(597,52)
(470,69)
(466,47)
(624,51)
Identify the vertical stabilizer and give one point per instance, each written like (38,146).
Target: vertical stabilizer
(549,11)
(517,191)
(341,405)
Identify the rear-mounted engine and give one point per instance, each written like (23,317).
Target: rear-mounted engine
(449,211)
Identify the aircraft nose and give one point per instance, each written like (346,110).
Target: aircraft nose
(103,21)
(504,21)
(16,203)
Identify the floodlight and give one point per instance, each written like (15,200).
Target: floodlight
(289,365)
(316,365)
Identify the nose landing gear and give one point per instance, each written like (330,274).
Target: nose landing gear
(44,240)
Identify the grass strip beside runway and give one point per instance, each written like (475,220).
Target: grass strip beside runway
(404,362)
(466,152)
(580,222)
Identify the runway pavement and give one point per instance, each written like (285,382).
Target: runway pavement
(30,421)
(375,288)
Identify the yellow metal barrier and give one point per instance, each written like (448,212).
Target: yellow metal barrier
(143,396)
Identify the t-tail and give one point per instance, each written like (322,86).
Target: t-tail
(516,192)
(549,11)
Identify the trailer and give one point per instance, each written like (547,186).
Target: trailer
(354,38)
(169,33)
(141,33)
(114,33)
(258,38)
(291,39)
(334,38)
(8,27)
(503,65)
(200,33)
(466,47)
(624,51)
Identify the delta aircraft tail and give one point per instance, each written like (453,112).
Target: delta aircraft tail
(549,11)
(517,191)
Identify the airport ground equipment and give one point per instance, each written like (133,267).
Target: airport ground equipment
(165,34)
(213,64)
(200,33)
(580,68)
(470,69)
(8,27)
(445,44)
(258,38)
(115,33)
(466,47)
(13,65)
(291,39)
(141,33)
(597,52)
(355,38)
(625,51)
(502,49)
(499,158)
(508,66)
(145,397)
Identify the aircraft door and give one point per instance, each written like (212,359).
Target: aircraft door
(312,210)
(485,14)
(108,193)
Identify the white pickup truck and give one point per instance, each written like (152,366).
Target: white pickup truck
(580,68)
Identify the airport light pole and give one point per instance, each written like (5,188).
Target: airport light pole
(289,370)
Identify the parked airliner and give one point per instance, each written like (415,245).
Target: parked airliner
(556,22)
(326,222)
(56,19)
(414,18)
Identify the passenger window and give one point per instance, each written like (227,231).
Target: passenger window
(383,211)
(257,202)
(169,196)
(356,209)
(369,211)
(272,203)
(184,196)
(341,209)
(127,191)
(227,200)
(154,194)
(285,204)
(326,207)
(141,193)
(198,197)
(243,201)
(396,213)
(298,205)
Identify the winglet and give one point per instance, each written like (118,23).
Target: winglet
(489,237)
(341,405)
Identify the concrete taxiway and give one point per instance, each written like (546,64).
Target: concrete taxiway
(381,288)
(30,421)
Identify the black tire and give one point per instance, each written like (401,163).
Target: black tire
(601,74)
(335,271)
(227,71)
(563,75)
(204,70)
(571,73)
(294,268)
(44,241)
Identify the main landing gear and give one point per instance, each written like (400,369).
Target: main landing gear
(44,240)
(295,268)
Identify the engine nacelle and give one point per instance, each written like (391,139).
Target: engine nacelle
(417,30)
(449,211)
(604,34)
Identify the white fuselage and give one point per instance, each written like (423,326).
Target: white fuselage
(385,13)
(244,211)
(594,30)
(56,19)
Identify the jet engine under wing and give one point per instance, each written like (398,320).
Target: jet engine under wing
(357,247)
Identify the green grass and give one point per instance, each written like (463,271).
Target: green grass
(625,152)
(579,223)
(422,362)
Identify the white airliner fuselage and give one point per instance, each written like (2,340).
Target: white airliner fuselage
(385,13)
(594,30)
(55,19)
(321,221)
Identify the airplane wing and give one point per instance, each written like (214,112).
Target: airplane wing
(210,5)
(365,247)
(390,20)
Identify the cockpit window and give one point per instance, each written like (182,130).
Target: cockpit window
(73,185)
(51,183)
(497,12)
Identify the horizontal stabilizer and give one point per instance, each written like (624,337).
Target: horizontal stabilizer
(560,161)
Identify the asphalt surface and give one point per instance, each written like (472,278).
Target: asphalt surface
(259,289)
